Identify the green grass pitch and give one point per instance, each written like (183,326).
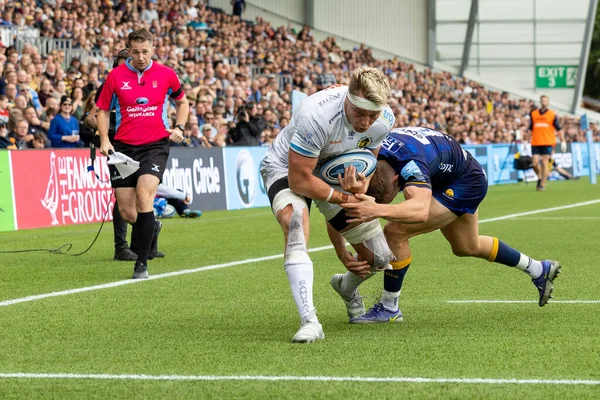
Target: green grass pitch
(225,332)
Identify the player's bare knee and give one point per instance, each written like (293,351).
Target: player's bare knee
(465,250)
(394,231)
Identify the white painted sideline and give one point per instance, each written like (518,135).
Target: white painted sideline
(488,381)
(521,301)
(247,261)
(152,277)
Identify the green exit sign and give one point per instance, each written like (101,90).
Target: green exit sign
(555,76)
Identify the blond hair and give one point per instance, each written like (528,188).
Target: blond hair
(371,83)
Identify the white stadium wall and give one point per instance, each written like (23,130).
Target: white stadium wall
(277,12)
(390,27)
(513,36)
(509,39)
(395,26)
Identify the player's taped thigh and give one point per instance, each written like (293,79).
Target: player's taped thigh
(370,235)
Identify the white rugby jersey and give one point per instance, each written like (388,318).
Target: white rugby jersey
(319,129)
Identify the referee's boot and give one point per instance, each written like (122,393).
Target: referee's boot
(154,253)
(140,271)
(124,254)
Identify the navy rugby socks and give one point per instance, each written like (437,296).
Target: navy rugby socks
(392,283)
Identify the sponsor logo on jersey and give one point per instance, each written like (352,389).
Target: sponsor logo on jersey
(305,138)
(140,111)
(329,99)
(364,142)
(337,114)
(412,170)
(388,116)
(446,167)
(126,86)
(392,144)
(335,142)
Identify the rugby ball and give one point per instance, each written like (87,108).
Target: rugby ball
(363,160)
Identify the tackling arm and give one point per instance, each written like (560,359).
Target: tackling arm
(414,210)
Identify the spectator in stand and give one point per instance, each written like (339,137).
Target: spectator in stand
(238,7)
(35,124)
(150,14)
(11,94)
(255,117)
(87,131)
(246,132)
(4,109)
(39,141)
(21,103)
(77,99)
(70,79)
(46,90)
(206,137)
(19,136)
(5,142)
(51,110)
(64,128)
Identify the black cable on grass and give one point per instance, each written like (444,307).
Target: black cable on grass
(65,248)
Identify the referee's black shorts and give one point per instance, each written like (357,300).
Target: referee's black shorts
(152,158)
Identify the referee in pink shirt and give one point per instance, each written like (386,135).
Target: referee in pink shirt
(139,91)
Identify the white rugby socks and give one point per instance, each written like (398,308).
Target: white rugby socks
(530,266)
(300,275)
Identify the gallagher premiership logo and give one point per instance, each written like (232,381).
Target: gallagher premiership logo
(246,177)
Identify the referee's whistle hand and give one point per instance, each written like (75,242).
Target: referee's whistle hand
(106,148)
(176,135)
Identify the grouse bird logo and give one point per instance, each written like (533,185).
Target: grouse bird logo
(50,200)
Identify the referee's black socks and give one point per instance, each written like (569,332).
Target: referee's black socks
(142,235)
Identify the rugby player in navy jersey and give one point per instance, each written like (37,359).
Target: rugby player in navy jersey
(443,186)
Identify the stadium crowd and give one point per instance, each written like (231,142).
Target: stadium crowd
(238,76)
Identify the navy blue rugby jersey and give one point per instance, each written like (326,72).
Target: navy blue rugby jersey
(424,157)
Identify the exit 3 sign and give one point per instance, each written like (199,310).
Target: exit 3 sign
(555,76)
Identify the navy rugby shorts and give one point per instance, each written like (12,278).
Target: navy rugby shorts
(466,193)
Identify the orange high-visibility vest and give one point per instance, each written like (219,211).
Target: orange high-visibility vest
(543,132)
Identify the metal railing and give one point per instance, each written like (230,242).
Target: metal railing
(10,34)
(45,46)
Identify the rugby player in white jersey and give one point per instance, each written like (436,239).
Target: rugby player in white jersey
(326,124)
